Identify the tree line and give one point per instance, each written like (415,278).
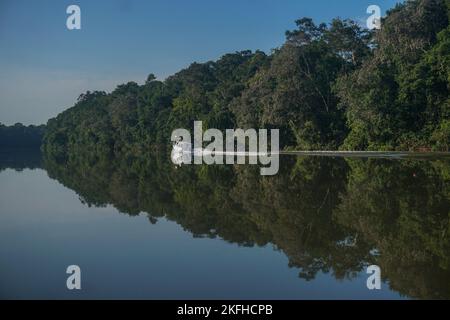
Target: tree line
(329,86)
(21,136)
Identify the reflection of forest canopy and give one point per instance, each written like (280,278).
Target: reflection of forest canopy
(329,86)
(20,158)
(324,214)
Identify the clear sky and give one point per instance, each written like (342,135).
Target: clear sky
(44,66)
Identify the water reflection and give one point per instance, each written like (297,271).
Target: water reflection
(20,158)
(325,214)
(331,215)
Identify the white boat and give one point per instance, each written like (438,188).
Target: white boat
(181,152)
(181,147)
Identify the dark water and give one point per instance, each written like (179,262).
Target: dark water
(141,228)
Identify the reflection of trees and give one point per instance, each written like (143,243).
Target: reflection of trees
(295,209)
(328,215)
(20,158)
(402,209)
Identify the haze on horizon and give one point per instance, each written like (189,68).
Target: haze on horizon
(45,66)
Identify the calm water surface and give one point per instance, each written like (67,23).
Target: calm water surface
(141,228)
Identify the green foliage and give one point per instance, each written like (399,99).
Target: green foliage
(295,94)
(330,86)
(399,96)
(135,118)
(441,136)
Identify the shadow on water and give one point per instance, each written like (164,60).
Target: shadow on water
(326,214)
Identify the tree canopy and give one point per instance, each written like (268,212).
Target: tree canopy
(329,86)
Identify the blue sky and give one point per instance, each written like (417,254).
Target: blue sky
(44,66)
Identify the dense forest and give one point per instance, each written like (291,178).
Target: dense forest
(329,86)
(21,136)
